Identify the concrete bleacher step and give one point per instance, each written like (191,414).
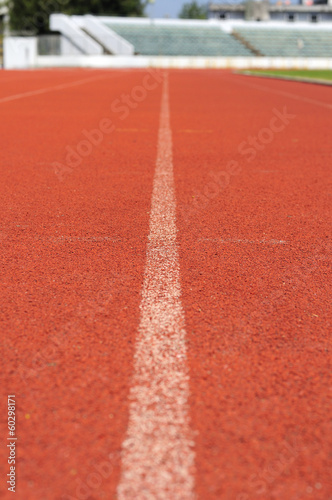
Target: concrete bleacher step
(247,44)
(106,51)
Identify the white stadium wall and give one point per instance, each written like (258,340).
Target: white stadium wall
(20,52)
(183,62)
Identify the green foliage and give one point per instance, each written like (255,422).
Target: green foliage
(193,11)
(33,15)
(106,7)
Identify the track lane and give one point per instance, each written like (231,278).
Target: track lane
(255,259)
(73,262)
(317,95)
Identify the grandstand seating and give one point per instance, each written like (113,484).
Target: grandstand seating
(121,36)
(166,40)
(289,42)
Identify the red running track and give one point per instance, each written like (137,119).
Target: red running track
(253,226)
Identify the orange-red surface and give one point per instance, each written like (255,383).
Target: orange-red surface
(255,249)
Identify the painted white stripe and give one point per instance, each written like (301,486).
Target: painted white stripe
(50,89)
(254,242)
(158,453)
(281,92)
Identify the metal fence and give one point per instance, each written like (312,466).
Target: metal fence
(49,45)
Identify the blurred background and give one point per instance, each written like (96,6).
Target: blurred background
(171,28)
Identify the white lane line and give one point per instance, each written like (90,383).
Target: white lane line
(51,89)
(158,453)
(254,242)
(281,92)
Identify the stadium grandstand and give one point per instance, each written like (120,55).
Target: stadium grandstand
(170,39)
(120,36)
(286,41)
(104,41)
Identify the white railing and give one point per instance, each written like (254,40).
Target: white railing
(110,40)
(67,27)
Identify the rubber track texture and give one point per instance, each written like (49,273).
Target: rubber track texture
(255,261)
(73,260)
(255,255)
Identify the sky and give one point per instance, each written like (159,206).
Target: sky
(171,8)
(162,8)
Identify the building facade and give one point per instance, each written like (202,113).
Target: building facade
(281,11)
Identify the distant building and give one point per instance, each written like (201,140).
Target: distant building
(283,10)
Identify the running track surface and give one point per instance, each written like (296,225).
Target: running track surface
(249,280)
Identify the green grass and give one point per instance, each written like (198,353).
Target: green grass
(319,74)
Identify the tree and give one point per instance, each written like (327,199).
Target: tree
(106,7)
(193,11)
(33,15)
